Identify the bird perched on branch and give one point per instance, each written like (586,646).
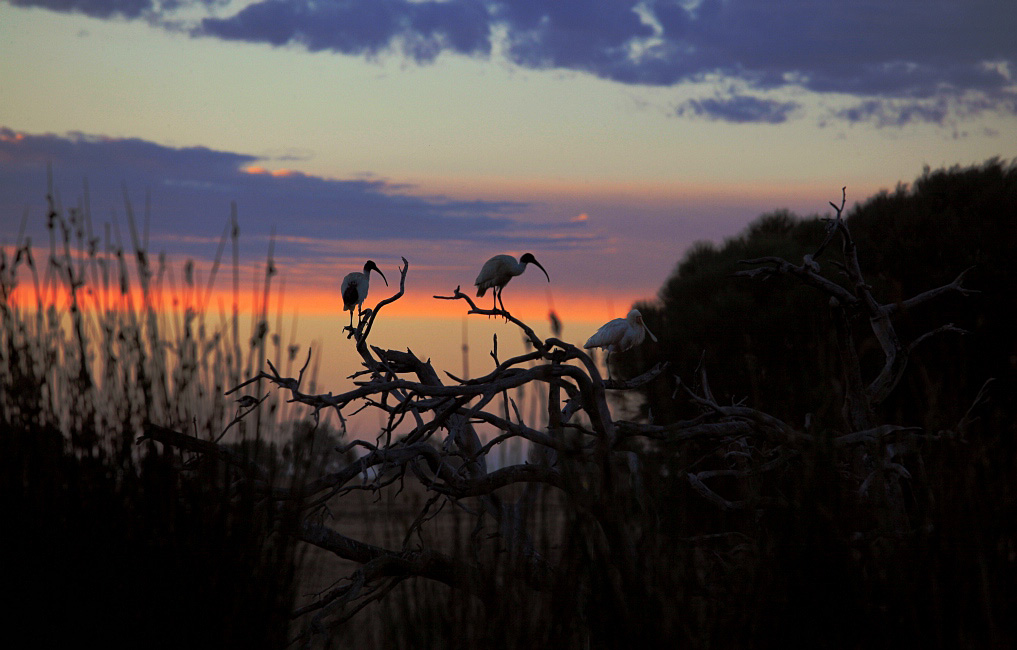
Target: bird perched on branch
(355,286)
(620,334)
(498,270)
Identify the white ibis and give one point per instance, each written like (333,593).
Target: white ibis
(620,334)
(498,270)
(355,286)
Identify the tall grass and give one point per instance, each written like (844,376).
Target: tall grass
(110,539)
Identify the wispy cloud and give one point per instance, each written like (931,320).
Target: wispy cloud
(875,50)
(943,111)
(739,109)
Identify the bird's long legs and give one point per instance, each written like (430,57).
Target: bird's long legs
(351,317)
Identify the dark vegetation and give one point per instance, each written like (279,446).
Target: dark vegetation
(773,342)
(108,539)
(948,582)
(774,492)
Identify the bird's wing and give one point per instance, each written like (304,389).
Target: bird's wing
(351,296)
(632,336)
(488,275)
(608,334)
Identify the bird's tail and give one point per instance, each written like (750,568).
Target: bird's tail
(599,339)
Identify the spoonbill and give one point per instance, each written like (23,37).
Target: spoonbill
(620,334)
(355,286)
(498,270)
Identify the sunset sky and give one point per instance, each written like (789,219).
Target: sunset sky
(604,137)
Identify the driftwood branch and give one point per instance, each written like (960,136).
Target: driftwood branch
(957,286)
(437,434)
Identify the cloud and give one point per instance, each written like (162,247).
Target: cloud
(871,49)
(425,29)
(739,109)
(587,35)
(191,189)
(93,8)
(907,49)
(943,111)
(883,113)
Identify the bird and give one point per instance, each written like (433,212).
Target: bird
(620,334)
(355,286)
(498,270)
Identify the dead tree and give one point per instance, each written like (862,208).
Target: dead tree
(851,301)
(431,437)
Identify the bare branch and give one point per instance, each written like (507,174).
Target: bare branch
(712,496)
(683,431)
(875,434)
(956,286)
(805,273)
(527,330)
(205,447)
(636,382)
(501,478)
(513,430)
(942,329)
(364,327)
(980,400)
(428,564)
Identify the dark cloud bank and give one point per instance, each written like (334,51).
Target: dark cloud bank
(906,60)
(191,190)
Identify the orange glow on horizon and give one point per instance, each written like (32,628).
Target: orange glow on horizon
(583,306)
(587,306)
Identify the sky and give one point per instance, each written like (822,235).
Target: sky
(605,137)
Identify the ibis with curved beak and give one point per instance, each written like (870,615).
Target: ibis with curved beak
(498,270)
(620,334)
(355,286)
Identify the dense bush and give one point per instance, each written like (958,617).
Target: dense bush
(772,342)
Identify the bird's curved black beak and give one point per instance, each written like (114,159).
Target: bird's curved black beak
(542,269)
(371,266)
